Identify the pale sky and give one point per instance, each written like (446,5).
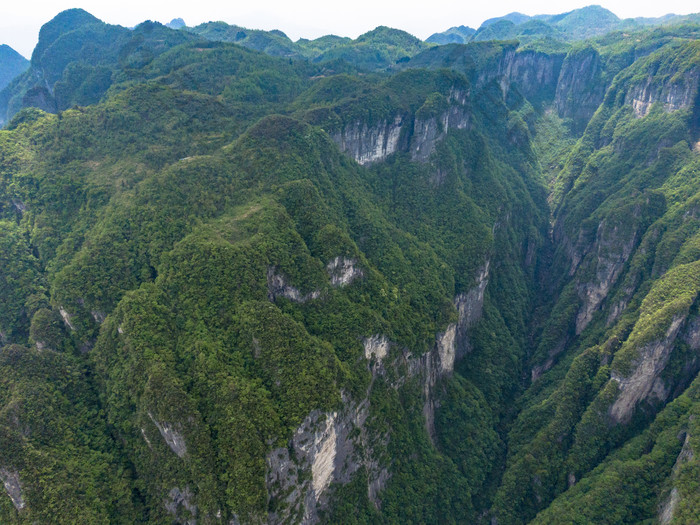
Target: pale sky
(20,20)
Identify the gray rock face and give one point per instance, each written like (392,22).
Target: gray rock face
(377,347)
(645,380)
(613,247)
(98,316)
(19,206)
(173,437)
(451,344)
(427,133)
(277,286)
(677,92)
(343,271)
(178,503)
(367,144)
(579,89)
(66,318)
(328,446)
(13,487)
(470,307)
(534,73)
(668,507)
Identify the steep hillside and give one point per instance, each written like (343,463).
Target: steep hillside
(78,58)
(12,64)
(243,288)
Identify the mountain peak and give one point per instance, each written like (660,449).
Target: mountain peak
(176,23)
(11,65)
(63,22)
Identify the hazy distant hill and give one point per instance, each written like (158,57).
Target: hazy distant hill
(454,35)
(574,25)
(375,50)
(12,64)
(78,57)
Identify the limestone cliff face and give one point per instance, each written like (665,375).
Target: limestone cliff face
(343,271)
(277,286)
(13,487)
(673,92)
(179,505)
(428,132)
(579,89)
(451,344)
(669,505)
(406,133)
(370,143)
(535,74)
(172,435)
(612,249)
(645,382)
(328,446)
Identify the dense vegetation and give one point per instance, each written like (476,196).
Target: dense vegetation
(12,64)
(212,312)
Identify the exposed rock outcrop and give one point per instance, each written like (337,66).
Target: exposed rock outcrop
(343,271)
(613,246)
(645,380)
(19,206)
(370,143)
(427,133)
(451,344)
(13,487)
(277,286)
(668,507)
(535,74)
(179,504)
(98,316)
(674,93)
(377,347)
(173,437)
(580,89)
(414,134)
(333,446)
(330,447)
(66,318)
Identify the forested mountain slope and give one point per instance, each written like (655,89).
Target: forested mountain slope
(12,64)
(239,288)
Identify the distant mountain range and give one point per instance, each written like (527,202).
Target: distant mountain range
(578,24)
(79,57)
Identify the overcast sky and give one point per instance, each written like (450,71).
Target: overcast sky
(20,20)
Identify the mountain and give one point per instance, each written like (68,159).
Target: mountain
(576,25)
(515,18)
(460,284)
(176,23)
(273,43)
(77,58)
(375,50)
(454,35)
(12,64)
